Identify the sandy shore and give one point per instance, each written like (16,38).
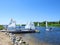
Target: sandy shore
(4,39)
(32,41)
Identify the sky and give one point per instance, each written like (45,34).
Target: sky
(23,11)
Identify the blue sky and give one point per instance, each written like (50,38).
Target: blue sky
(29,10)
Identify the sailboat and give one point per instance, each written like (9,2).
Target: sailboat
(47,29)
(12,25)
(38,24)
(30,26)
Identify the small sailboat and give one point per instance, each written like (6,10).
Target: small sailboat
(47,29)
(38,24)
(30,26)
(12,24)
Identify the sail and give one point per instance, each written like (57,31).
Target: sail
(30,26)
(38,24)
(47,29)
(12,24)
(46,24)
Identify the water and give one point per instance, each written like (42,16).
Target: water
(51,37)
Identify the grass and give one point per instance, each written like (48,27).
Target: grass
(53,25)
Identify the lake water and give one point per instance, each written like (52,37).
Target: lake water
(51,37)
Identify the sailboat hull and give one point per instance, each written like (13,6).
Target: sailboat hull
(19,32)
(47,29)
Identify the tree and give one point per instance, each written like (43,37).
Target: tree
(36,23)
(1,27)
(59,21)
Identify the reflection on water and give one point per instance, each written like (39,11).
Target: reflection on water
(44,37)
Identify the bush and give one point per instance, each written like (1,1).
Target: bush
(1,27)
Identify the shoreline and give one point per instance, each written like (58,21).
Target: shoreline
(5,40)
(32,40)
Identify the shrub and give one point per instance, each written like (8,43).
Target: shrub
(1,27)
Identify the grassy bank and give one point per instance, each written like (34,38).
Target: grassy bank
(53,24)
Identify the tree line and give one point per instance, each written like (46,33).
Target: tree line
(53,23)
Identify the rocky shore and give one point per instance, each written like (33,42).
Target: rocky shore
(4,39)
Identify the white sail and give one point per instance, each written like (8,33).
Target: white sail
(30,26)
(47,26)
(12,24)
(38,24)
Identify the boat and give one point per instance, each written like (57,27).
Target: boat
(47,29)
(24,31)
(29,28)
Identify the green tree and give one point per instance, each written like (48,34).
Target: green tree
(59,21)
(36,23)
(1,27)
